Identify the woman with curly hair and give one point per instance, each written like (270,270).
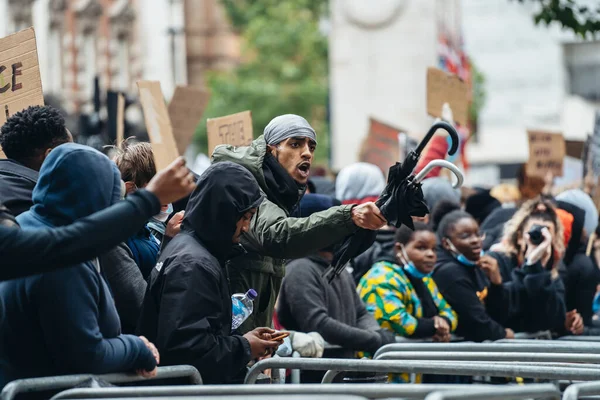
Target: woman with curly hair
(529,257)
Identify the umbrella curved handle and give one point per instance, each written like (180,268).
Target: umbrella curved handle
(444,164)
(440,125)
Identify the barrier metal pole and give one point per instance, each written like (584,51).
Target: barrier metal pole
(542,346)
(580,338)
(584,389)
(500,392)
(469,368)
(295,373)
(492,356)
(61,382)
(361,389)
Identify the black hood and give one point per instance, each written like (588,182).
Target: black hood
(575,242)
(225,192)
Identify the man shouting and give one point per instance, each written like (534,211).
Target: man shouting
(280,160)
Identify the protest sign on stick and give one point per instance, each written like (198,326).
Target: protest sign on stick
(120,119)
(546,153)
(381,146)
(158,123)
(20,81)
(234,129)
(443,87)
(185,110)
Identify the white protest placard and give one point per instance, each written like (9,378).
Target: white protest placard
(443,87)
(234,129)
(547,152)
(185,110)
(158,123)
(20,81)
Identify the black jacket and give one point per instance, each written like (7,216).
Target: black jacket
(187,307)
(16,186)
(537,300)
(475,300)
(381,250)
(35,251)
(309,303)
(577,270)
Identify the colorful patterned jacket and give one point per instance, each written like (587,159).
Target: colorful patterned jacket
(393,301)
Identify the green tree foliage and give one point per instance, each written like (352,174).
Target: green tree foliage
(578,16)
(283,69)
(478,96)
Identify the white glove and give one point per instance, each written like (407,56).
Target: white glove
(308,344)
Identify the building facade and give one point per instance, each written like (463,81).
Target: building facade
(536,77)
(121,42)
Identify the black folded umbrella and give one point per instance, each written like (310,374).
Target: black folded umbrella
(401,199)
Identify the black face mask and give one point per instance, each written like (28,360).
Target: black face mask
(282,187)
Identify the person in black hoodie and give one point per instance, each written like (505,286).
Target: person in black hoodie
(187,308)
(65,321)
(461,275)
(577,269)
(32,252)
(27,138)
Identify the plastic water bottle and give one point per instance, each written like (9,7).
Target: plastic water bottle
(241,307)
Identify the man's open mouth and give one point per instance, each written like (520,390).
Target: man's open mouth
(304,169)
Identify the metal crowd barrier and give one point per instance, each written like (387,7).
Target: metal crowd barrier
(48,383)
(492,356)
(543,346)
(361,389)
(580,338)
(471,368)
(541,335)
(581,389)
(534,391)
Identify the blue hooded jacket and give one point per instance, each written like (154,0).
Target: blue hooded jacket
(65,321)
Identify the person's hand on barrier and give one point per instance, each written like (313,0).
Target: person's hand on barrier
(308,344)
(261,343)
(441,325)
(172,183)
(489,265)
(574,322)
(510,334)
(174,225)
(368,216)
(154,351)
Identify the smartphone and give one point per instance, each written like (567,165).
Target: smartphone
(279,336)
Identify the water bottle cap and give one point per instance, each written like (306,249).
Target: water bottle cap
(251,294)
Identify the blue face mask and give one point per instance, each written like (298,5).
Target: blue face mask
(461,257)
(411,269)
(463,260)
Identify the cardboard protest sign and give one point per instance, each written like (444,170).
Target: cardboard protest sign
(20,81)
(120,119)
(447,88)
(381,146)
(234,129)
(158,123)
(185,110)
(546,153)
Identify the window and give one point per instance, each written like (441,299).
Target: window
(583,69)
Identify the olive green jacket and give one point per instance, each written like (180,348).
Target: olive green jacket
(275,237)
